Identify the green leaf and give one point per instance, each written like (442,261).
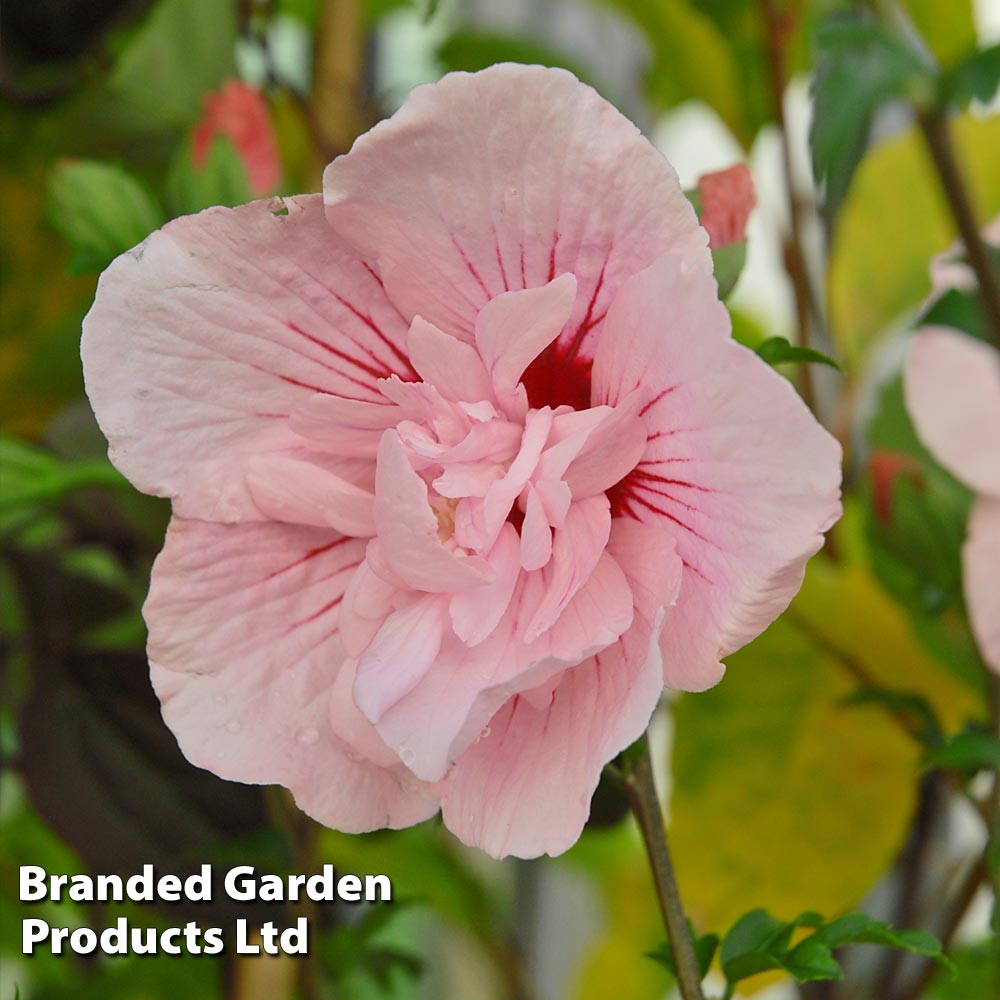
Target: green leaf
(977,974)
(861,64)
(925,725)
(728,262)
(471,51)
(705,948)
(759,942)
(33,479)
(969,751)
(976,77)
(692,58)
(777,350)
(220,180)
(100,210)
(153,93)
(961,310)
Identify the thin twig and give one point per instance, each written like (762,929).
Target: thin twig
(934,126)
(776,30)
(641,791)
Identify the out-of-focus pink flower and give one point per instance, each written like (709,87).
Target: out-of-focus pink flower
(239,112)
(886,468)
(952,385)
(465,465)
(727,199)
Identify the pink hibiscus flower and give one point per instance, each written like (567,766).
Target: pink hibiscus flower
(465,465)
(952,385)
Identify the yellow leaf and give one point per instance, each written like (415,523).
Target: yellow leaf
(893,221)
(946,25)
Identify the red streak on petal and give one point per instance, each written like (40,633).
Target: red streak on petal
(382,372)
(374,327)
(311,554)
(471,267)
(584,328)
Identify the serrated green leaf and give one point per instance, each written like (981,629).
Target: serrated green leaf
(758,942)
(100,210)
(778,350)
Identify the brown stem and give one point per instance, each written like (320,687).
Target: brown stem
(963,898)
(911,867)
(337,85)
(937,136)
(776,35)
(303,835)
(641,791)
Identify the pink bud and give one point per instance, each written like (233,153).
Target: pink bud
(727,199)
(239,112)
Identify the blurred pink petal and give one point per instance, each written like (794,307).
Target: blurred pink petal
(981,576)
(952,384)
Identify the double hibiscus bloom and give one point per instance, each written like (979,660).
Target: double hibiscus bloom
(465,465)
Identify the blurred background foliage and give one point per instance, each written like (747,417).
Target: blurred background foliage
(840,764)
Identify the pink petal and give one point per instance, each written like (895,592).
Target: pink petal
(576,549)
(736,468)
(244,653)
(981,571)
(205,338)
(611,451)
(515,327)
(452,366)
(303,493)
(400,654)
(536,535)
(476,612)
(502,180)
(952,385)
(465,686)
(525,787)
(408,529)
(367,602)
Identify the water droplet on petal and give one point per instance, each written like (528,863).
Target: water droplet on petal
(308,736)
(407,756)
